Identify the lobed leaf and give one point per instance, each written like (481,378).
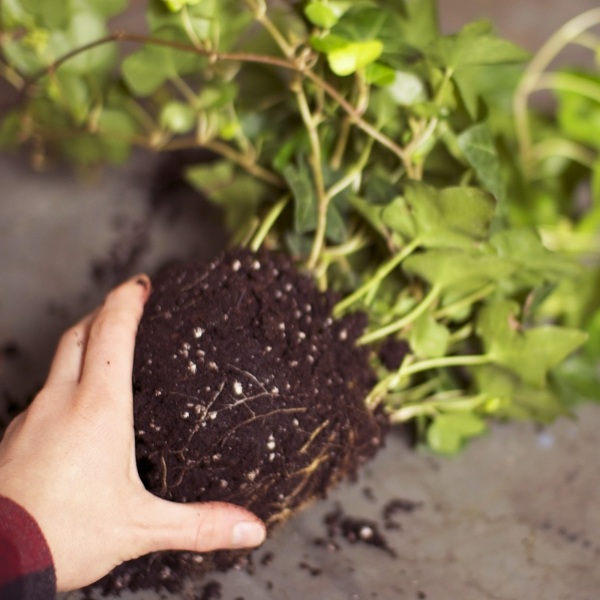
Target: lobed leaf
(455,217)
(530,353)
(479,149)
(451,267)
(449,432)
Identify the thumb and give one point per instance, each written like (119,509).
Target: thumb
(201,527)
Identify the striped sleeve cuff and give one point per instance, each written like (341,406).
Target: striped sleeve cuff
(26,567)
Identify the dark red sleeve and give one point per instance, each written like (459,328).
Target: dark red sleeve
(26,567)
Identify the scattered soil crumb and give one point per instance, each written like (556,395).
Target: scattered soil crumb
(314,571)
(211,591)
(267,559)
(396,506)
(369,494)
(356,530)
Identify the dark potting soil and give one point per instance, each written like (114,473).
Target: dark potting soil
(246,390)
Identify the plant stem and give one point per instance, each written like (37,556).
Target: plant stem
(564,148)
(381,273)
(361,104)
(11,76)
(184,89)
(259,11)
(231,154)
(409,368)
(569,83)
(556,43)
(451,400)
(355,243)
(284,63)
(268,222)
(316,162)
(446,361)
(189,28)
(352,173)
(413,315)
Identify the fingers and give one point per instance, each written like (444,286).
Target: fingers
(201,527)
(108,357)
(68,359)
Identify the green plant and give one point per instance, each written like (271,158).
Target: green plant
(385,157)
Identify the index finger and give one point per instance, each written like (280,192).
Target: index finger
(108,360)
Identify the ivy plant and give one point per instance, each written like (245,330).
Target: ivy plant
(408,170)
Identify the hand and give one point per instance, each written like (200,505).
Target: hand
(69,459)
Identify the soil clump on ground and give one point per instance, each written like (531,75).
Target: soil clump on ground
(246,390)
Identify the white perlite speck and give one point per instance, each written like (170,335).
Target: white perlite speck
(237,388)
(198,331)
(236,265)
(192,367)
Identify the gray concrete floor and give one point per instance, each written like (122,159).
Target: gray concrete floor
(516,516)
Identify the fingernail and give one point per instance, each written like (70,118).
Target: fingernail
(143,280)
(247,534)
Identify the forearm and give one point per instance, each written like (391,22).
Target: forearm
(26,568)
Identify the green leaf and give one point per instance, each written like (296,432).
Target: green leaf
(106,8)
(577,379)
(371,213)
(321,14)
(579,106)
(419,23)
(84,27)
(530,353)
(117,129)
(335,228)
(450,267)
(217,22)
(216,96)
(478,147)
(13,15)
(177,5)
(51,14)
(518,400)
(398,217)
(455,217)
(177,117)
(407,88)
(379,74)
(475,44)
(363,22)
(146,70)
(238,194)
(449,432)
(346,57)
(536,263)
(428,338)
(354,57)
(21,56)
(301,183)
